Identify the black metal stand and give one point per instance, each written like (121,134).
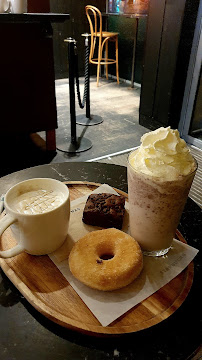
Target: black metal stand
(81,145)
(134,53)
(88,119)
(73,145)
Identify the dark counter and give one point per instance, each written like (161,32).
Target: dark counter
(27,77)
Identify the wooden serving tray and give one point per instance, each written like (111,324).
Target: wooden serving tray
(42,284)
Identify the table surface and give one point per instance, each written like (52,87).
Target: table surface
(33,17)
(26,334)
(131,16)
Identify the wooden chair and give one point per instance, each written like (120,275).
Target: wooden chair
(103,38)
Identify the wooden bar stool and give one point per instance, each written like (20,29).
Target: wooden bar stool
(103,38)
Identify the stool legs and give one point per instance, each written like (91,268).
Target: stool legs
(106,58)
(99,61)
(98,72)
(117,61)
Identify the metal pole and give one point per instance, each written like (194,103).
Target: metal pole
(71,44)
(73,144)
(88,83)
(88,119)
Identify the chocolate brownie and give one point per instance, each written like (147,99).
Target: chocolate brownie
(105,210)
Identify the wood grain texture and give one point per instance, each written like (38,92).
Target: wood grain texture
(42,284)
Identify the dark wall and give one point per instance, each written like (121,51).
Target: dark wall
(38,6)
(183,56)
(167,51)
(126,27)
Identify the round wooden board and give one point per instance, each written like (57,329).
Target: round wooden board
(42,284)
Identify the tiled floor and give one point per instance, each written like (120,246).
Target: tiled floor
(118,107)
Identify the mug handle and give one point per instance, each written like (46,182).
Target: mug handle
(5,222)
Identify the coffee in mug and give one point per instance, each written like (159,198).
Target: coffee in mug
(37,201)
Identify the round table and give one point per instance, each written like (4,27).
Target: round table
(26,334)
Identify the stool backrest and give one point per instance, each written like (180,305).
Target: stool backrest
(95,27)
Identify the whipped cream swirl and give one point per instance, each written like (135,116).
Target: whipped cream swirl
(163,154)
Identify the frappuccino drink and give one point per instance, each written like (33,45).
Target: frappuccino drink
(160,174)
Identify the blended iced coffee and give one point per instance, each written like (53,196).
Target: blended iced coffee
(160,174)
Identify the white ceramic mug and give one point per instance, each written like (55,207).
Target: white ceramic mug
(38,211)
(18,6)
(4,5)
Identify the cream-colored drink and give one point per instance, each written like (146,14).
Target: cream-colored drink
(37,201)
(160,174)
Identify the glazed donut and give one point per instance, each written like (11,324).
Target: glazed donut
(106,259)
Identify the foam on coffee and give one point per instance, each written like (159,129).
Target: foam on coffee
(37,201)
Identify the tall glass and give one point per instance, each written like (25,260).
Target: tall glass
(155,209)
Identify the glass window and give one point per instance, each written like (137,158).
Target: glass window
(113,6)
(196,121)
(190,125)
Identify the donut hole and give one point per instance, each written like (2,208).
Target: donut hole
(106,256)
(105,251)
